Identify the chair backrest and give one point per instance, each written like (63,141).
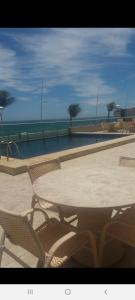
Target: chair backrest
(42,168)
(128,124)
(19,231)
(118,125)
(133,125)
(105,125)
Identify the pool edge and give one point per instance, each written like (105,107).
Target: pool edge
(17,166)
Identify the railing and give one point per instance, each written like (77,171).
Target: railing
(17,131)
(25,131)
(9,149)
(26,136)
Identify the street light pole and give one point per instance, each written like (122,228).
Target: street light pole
(1,111)
(117,106)
(97,103)
(126,99)
(41,103)
(44,101)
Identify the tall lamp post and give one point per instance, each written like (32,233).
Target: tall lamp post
(42,101)
(117,106)
(1,111)
(1,119)
(97,102)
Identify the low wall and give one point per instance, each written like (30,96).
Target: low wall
(17,166)
(90,128)
(29,136)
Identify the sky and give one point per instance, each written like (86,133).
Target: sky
(73,64)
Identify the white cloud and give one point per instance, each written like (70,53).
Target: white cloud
(10,74)
(7,63)
(73,57)
(21,98)
(93,85)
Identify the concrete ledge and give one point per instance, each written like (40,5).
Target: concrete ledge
(12,166)
(18,166)
(88,128)
(81,151)
(127,161)
(103,132)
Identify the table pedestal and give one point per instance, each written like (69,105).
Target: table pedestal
(94,220)
(114,251)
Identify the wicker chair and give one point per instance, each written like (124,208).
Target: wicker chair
(119,126)
(105,126)
(133,125)
(122,229)
(109,127)
(37,170)
(128,126)
(52,243)
(124,126)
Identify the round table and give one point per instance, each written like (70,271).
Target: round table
(93,192)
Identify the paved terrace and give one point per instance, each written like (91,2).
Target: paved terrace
(16,193)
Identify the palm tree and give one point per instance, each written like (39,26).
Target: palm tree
(110,107)
(73,110)
(5,98)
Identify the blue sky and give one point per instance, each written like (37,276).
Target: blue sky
(74,63)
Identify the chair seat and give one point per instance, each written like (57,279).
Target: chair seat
(50,233)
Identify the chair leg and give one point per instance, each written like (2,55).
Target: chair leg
(1,253)
(4,249)
(61,215)
(101,246)
(21,262)
(33,203)
(94,250)
(95,257)
(2,241)
(41,263)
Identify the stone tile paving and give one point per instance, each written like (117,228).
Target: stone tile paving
(16,193)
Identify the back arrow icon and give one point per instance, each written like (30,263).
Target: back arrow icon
(105,292)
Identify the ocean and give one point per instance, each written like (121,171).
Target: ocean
(15,127)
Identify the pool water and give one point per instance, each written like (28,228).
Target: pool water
(39,147)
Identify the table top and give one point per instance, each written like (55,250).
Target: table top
(88,187)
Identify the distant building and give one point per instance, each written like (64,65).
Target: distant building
(125,112)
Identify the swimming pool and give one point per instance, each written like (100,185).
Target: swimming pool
(45,146)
